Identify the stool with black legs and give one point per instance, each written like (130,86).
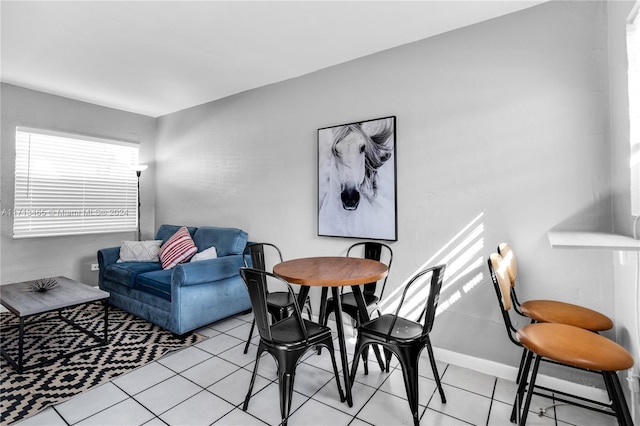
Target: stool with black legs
(565,345)
(552,311)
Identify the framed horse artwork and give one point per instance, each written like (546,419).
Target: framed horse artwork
(357,180)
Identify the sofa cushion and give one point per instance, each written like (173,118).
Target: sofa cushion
(227,241)
(177,249)
(166,231)
(140,251)
(157,283)
(125,273)
(210,253)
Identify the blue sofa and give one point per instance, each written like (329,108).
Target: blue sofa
(188,296)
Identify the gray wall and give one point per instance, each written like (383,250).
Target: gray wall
(625,263)
(501,135)
(32,258)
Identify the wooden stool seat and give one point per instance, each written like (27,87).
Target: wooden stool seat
(552,310)
(566,313)
(574,346)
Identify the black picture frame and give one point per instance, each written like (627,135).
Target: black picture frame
(357,192)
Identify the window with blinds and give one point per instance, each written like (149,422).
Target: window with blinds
(633,53)
(70,184)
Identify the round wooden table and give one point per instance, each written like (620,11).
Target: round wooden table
(334,272)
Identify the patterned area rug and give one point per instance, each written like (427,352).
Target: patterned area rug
(133,342)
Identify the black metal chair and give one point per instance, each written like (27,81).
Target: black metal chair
(372,292)
(406,338)
(279,303)
(560,344)
(286,340)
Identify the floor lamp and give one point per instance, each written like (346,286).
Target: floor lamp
(139,169)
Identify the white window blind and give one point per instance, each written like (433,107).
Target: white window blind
(633,53)
(69,184)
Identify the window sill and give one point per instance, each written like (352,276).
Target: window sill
(592,240)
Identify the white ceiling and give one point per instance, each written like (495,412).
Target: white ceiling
(158,57)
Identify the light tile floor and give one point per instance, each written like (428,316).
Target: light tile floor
(205,384)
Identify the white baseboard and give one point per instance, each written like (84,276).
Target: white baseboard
(508,372)
(503,371)
(485,366)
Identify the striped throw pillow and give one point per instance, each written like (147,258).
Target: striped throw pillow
(177,249)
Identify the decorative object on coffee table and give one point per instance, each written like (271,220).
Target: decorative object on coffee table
(44,284)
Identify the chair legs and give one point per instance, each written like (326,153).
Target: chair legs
(527,403)
(622,411)
(261,349)
(409,357)
(527,357)
(614,400)
(335,369)
(387,357)
(611,381)
(287,362)
(434,368)
(522,361)
(409,363)
(616,394)
(355,323)
(522,358)
(285,384)
(246,346)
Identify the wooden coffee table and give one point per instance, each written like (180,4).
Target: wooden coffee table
(24,303)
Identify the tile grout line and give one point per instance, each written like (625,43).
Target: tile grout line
(493,392)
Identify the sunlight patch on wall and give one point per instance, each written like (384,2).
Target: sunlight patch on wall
(462,255)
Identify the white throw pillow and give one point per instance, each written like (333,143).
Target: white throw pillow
(209,253)
(140,251)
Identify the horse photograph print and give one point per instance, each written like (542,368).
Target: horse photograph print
(357,180)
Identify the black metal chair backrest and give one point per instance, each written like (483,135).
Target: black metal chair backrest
(373,250)
(257,255)
(258,283)
(428,312)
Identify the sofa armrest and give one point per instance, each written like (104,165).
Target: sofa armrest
(107,256)
(206,271)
